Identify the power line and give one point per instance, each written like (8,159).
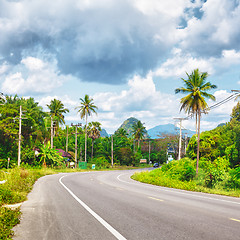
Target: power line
(229,98)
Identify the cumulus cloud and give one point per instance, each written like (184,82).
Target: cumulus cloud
(37,77)
(180,62)
(140,100)
(216,31)
(100,41)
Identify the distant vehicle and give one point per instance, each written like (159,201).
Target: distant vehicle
(156,165)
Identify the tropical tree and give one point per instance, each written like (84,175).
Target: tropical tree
(86,109)
(94,129)
(121,132)
(49,156)
(196,87)
(57,110)
(236,112)
(139,131)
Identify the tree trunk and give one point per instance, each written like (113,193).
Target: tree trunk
(198,141)
(86,140)
(92,149)
(196,123)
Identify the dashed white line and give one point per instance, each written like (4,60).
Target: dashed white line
(101,220)
(184,192)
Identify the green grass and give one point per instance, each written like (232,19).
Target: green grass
(19,182)
(162,178)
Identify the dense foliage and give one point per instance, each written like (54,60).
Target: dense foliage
(37,127)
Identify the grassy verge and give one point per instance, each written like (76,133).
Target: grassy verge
(19,183)
(161,178)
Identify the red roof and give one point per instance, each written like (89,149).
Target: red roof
(64,154)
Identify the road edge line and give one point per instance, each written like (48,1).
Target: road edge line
(95,215)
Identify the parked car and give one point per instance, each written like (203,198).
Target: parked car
(156,165)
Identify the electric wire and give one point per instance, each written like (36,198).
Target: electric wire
(229,98)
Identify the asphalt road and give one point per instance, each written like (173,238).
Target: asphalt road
(110,205)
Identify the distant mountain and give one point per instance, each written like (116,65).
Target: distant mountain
(155,132)
(128,125)
(104,133)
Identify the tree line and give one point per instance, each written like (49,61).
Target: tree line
(125,149)
(44,133)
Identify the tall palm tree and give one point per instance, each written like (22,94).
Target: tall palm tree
(86,109)
(194,103)
(57,110)
(94,129)
(139,131)
(121,132)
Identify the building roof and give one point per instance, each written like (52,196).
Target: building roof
(64,154)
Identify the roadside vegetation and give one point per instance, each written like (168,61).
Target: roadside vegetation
(213,177)
(211,162)
(18,182)
(212,159)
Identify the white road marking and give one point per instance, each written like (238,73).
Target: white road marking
(101,220)
(184,192)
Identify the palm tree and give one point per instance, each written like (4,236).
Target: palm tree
(57,110)
(85,109)
(121,132)
(94,129)
(194,103)
(139,131)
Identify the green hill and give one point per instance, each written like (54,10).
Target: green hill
(128,125)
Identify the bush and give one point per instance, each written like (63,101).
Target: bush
(8,219)
(100,163)
(216,171)
(183,169)
(234,180)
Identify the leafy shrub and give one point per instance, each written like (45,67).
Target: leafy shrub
(188,172)
(234,180)
(8,219)
(216,171)
(101,162)
(183,169)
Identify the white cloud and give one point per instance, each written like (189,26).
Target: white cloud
(33,64)
(217,30)
(140,100)
(4,68)
(37,76)
(13,83)
(179,63)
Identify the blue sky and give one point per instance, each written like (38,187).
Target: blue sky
(128,55)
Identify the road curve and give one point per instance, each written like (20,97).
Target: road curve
(110,205)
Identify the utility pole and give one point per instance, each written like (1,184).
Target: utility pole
(51,133)
(67,140)
(76,133)
(20,136)
(149,151)
(180,136)
(112,149)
